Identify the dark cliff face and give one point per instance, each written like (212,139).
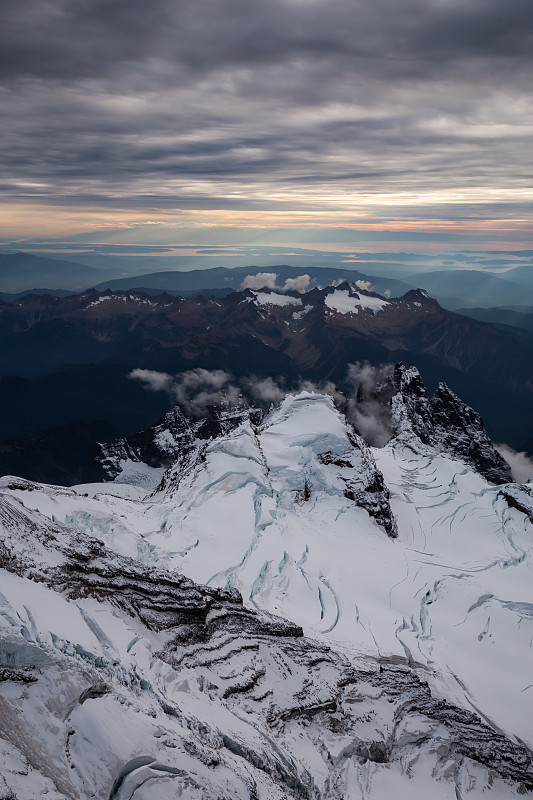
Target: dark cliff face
(461,431)
(447,424)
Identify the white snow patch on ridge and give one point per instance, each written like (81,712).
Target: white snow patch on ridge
(274,299)
(134,298)
(342,301)
(100,300)
(302,313)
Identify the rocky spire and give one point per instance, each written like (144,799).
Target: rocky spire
(444,422)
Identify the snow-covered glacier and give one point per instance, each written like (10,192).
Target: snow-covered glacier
(288,613)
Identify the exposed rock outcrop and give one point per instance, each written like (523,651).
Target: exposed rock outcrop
(444,422)
(173,437)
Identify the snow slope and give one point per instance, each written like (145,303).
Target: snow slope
(124,681)
(403,563)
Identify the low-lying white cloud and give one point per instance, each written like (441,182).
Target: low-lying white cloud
(521,464)
(365,402)
(194,379)
(153,381)
(370,415)
(265,390)
(361,373)
(196,390)
(298,284)
(263,280)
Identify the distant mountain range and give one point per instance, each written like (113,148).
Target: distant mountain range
(518,316)
(22,272)
(313,334)
(9,297)
(522,275)
(472,288)
(452,288)
(207,280)
(66,360)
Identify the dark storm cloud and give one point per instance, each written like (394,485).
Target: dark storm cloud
(221,103)
(96,38)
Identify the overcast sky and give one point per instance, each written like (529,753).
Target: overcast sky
(169,115)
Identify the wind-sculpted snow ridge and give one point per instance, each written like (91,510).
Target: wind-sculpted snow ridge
(292,462)
(142,457)
(444,422)
(124,682)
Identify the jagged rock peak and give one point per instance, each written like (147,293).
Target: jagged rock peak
(172,438)
(408,381)
(230,411)
(444,422)
(157,447)
(421,297)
